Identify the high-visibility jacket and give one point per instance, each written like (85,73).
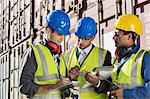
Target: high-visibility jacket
(95,59)
(47,72)
(130,73)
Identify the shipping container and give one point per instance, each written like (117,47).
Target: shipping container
(4,20)
(1,79)
(15,70)
(145,16)
(22,22)
(4,76)
(71,41)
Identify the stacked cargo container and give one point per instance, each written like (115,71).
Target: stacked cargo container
(22,22)
(20,36)
(15,34)
(142,9)
(4,47)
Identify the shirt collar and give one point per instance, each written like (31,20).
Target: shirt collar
(135,48)
(86,50)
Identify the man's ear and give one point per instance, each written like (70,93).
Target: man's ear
(129,36)
(48,30)
(93,38)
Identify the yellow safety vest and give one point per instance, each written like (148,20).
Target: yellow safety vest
(47,71)
(95,59)
(130,73)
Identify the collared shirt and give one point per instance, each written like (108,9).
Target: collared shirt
(83,53)
(122,60)
(86,50)
(107,62)
(56,58)
(29,67)
(142,92)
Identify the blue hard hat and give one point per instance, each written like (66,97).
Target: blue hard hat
(86,28)
(58,21)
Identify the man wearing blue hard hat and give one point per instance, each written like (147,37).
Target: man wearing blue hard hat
(44,69)
(84,58)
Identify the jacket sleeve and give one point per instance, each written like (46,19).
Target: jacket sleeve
(107,61)
(105,85)
(142,92)
(29,66)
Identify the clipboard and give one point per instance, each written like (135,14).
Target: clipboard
(105,77)
(104,71)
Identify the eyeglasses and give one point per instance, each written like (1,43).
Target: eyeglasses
(117,34)
(121,33)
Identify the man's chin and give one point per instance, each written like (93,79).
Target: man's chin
(81,47)
(58,43)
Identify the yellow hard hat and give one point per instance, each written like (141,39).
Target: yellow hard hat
(129,22)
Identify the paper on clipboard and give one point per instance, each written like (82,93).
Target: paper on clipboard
(104,71)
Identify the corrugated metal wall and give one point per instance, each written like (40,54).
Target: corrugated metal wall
(22,22)
(15,33)
(4,48)
(142,9)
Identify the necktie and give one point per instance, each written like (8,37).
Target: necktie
(81,58)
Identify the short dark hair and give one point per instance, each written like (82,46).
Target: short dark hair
(134,36)
(51,29)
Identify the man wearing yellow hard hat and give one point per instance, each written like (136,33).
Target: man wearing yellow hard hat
(132,64)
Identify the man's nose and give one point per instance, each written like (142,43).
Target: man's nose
(114,37)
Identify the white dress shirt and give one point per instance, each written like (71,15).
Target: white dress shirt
(83,53)
(56,59)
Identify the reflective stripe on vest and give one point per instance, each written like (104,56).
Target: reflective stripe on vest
(101,58)
(47,71)
(46,76)
(48,96)
(42,74)
(130,73)
(94,59)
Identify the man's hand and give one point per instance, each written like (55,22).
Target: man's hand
(74,72)
(49,87)
(93,79)
(63,82)
(118,93)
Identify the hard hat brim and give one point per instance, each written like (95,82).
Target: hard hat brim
(59,30)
